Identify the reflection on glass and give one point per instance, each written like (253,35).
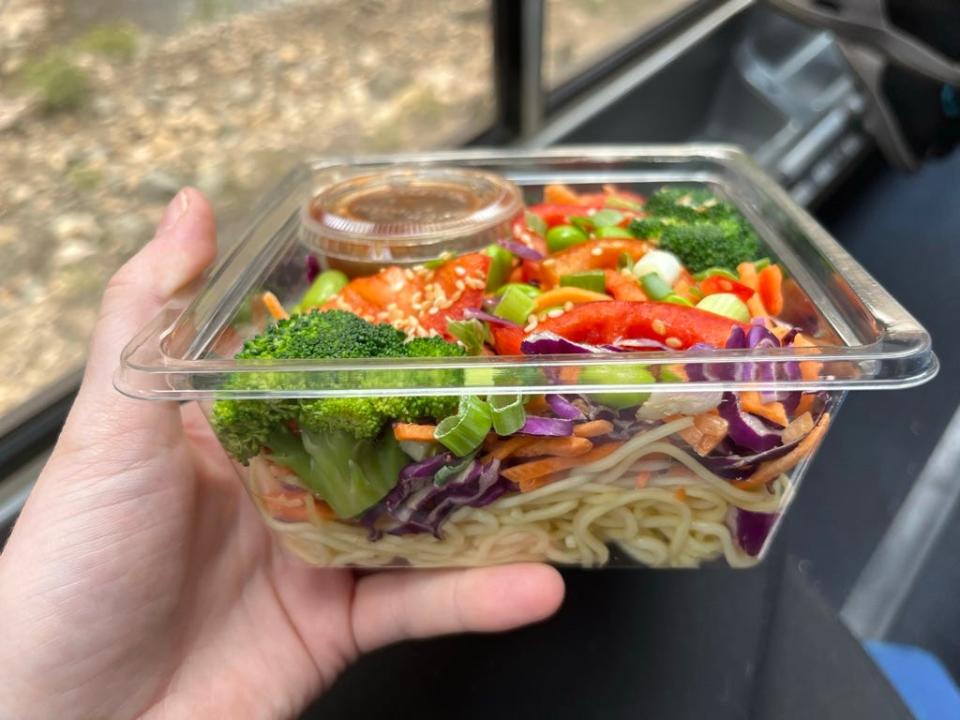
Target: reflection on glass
(107,107)
(578,33)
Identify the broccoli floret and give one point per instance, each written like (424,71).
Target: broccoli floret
(351,475)
(244,425)
(703,245)
(433,347)
(650,228)
(688,205)
(414,408)
(362,417)
(329,334)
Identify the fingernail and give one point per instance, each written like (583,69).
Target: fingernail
(175,211)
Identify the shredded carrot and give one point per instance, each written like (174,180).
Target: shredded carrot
(273,306)
(809,369)
(568,375)
(594,428)
(775,412)
(755,306)
(680,494)
(323,510)
(545,480)
(527,473)
(501,449)
(770,288)
(774,468)
(622,287)
(537,405)
(412,431)
(516,275)
(798,428)
(562,295)
(806,404)
(748,275)
(642,479)
(556,447)
(560,195)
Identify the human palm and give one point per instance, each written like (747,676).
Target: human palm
(140,582)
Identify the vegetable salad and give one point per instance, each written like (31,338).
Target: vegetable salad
(680,271)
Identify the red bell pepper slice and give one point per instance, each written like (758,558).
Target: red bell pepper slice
(720,284)
(591,255)
(555,214)
(475,266)
(506,340)
(602,323)
(606,322)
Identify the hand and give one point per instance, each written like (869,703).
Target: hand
(139,581)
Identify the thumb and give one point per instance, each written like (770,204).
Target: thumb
(183,246)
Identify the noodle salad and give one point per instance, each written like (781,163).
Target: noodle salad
(666,479)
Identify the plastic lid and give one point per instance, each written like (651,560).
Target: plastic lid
(410,214)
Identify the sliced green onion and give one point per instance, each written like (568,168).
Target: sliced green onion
(439,261)
(592,280)
(448,472)
(761,264)
(561,237)
(501,265)
(672,298)
(327,284)
(508,413)
(615,201)
(617,375)
(726,304)
(606,218)
(472,333)
(535,223)
(655,286)
(710,272)
(625,261)
(581,222)
(463,433)
(528,290)
(515,306)
(612,231)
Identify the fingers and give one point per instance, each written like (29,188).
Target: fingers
(183,246)
(399,605)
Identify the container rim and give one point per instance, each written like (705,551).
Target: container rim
(898,356)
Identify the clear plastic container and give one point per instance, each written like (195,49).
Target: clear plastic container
(653,500)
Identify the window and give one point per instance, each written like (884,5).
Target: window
(107,107)
(578,33)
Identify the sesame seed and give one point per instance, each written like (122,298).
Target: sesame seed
(549,261)
(555,313)
(460,271)
(460,285)
(433,311)
(408,274)
(568,306)
(397,287)
(596,252)
(658,327)
(674,343)
(417,296)
(391,307)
